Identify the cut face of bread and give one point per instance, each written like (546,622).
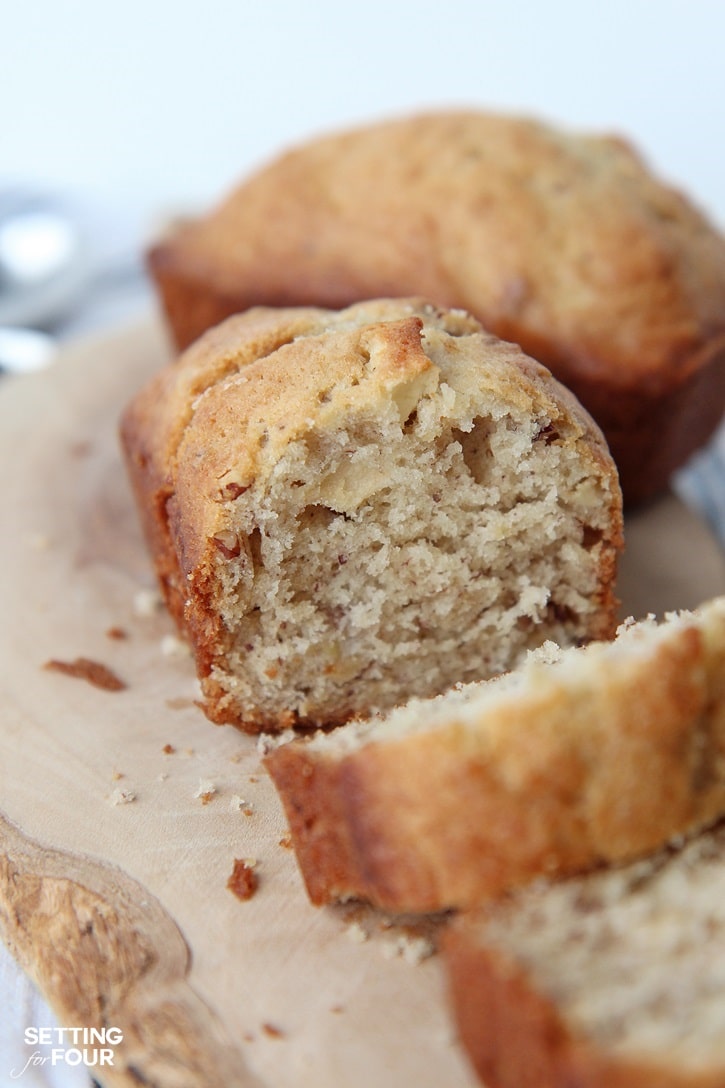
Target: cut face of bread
(580,757)
(348,509)
(617,978)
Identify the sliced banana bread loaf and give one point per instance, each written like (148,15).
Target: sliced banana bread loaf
(346,509)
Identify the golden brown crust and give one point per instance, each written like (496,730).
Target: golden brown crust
(314,794)
(515,1037)
(564,244)
(572,772)
(153,425)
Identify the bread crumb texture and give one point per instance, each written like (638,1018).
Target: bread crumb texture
(625,967)
(581,756)
(349,508)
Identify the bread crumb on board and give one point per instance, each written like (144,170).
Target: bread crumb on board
(147,602)
(273,1031)
(39,542)
(173,646)
(357,933)
(412,949)
(238,804)
(84,668)
(206,790)
(398,936)
(244,880)
(118,634)
(122,797)
(179,702)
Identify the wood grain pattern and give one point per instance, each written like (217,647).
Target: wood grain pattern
(113,870)
(105,953)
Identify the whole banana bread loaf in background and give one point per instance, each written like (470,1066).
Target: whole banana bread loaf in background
(349,508)
(565,244)
(580,757)
(613,980)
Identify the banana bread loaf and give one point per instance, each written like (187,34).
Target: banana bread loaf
(346,509)
(595,754)
(614,980)
(565,244)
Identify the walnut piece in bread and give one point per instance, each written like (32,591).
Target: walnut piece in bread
(613,979)
(565,244)
(346,509)
(580,757)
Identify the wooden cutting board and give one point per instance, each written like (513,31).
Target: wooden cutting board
(115,850)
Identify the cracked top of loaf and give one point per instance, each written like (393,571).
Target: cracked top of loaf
(567,244)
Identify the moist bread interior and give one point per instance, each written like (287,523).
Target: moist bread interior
(430,537)
(631,957)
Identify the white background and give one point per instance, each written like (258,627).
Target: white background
(154,105)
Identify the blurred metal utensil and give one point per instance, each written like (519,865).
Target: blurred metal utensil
(44,260)
(24,350)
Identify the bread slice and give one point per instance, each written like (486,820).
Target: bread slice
(614,980)
(349,508)
(590,755)
(564,243)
